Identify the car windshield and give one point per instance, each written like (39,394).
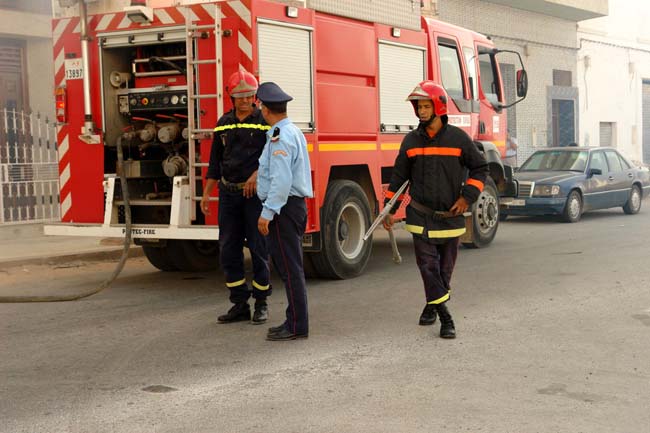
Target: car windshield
(556,160)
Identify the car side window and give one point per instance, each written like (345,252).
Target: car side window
(598,161)
(613,161)
(626,165)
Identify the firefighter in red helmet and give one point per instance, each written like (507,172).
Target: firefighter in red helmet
(239,139)
(435,158)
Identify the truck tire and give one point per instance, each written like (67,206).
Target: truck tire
(159,258)
(345,219)
(485,216)
(308,266)
(194,255)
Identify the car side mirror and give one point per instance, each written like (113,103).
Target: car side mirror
(593,171)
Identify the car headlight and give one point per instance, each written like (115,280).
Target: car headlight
(546,190)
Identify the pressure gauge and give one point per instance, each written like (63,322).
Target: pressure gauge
(174,99)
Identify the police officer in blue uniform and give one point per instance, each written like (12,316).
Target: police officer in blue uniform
(239,138)
(283,183)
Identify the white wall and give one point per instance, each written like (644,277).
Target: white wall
(613,60)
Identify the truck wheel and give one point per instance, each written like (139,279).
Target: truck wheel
(194,255)
(308,266)
(485,216)
(345,219)
(159,258)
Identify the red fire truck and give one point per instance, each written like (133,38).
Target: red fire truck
(151,80)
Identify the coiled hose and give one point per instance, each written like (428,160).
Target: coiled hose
(123,257)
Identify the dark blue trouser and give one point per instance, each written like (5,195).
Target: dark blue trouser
(238,222)
(436,263)
(285,242)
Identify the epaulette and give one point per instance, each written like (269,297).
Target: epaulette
(276,135)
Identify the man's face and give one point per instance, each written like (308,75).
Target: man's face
(425,110)
(244,105)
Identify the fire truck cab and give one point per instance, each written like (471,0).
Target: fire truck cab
(152,80)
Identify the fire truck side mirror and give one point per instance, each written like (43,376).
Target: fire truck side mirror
(522,83)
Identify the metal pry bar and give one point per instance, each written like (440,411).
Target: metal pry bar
(385,210)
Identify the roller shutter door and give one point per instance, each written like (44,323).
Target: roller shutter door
(285,57)
(646,122)
(400,68)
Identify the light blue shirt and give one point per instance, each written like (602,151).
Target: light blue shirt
(284,168)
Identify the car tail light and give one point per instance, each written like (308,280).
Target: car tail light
(61,108)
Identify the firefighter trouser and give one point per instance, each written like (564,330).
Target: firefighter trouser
(285,242)
(436,263)
(238,217)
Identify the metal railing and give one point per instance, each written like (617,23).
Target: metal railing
(29,172)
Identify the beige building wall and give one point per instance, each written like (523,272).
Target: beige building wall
(613,64)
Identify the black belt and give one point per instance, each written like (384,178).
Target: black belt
(231,186)
(436,214)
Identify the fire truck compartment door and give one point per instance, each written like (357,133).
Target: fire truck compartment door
(285,58)
(401,67)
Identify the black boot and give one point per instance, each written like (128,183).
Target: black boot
(428,316)
(238,313)
(447,329)
(261,313)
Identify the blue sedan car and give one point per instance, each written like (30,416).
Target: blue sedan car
(569,181)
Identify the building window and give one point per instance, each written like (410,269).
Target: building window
(561,78)
(607,130)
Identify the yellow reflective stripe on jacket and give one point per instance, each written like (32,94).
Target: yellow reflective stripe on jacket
(236,283)
(440,300)
(259,286)
(242,125)
(454,233)
(418,230)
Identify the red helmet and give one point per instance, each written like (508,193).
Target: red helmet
(429,90)
(242,84)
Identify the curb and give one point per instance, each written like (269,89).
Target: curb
(93,256)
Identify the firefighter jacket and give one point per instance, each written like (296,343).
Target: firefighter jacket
(237,146)
(436,168)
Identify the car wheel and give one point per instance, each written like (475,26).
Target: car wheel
(573,207)
(633,204)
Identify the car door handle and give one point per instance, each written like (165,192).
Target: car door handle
(611,178)
(630,175)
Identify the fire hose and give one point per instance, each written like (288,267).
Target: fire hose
(125,251)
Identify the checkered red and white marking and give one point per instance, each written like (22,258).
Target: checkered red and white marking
(203,13)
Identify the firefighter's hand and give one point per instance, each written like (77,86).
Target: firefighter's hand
(250,187)
(263,226)
(205,205)
(388,222)
(460,206)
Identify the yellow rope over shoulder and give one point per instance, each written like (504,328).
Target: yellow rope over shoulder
(242,126)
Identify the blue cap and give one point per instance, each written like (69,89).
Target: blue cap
(271,92)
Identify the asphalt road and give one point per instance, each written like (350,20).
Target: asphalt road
(553,327)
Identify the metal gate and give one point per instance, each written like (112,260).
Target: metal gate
(29,173)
